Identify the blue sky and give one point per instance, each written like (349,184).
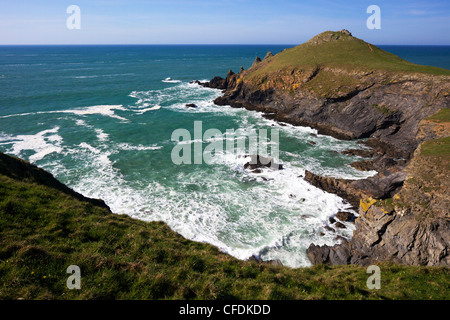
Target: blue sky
(220,21)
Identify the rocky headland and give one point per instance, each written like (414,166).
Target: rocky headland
(350,89)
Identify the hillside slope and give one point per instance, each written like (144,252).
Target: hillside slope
(44,229)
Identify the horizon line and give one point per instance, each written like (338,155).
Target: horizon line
(195,44)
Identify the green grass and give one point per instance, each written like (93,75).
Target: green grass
(44,230)
(436,147)
(347,53)
(442,116)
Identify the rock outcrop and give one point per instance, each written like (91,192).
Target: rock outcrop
(257,162)
(255,63)
(413,226)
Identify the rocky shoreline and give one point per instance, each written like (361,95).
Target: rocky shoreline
(390,110)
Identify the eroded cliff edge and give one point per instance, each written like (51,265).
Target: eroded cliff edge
(411,227)
(350,89)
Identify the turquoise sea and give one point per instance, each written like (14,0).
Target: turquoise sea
(101,118)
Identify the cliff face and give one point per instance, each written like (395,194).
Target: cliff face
(412,227)
(349,89)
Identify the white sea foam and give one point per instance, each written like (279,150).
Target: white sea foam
(144,110)
(105,110)
(42,143)
(82,123)
(85,145)
(170,98)
(85,77)
(170,80)
(101,135)
(126,146)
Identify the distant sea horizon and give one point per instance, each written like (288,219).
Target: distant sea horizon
(437,55)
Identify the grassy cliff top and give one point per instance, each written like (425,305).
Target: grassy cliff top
(44,229)
(341,50)
(439,147)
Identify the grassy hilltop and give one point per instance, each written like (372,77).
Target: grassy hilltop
(332,64)
(44,228)
(341,49)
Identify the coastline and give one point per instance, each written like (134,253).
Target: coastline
(392,110)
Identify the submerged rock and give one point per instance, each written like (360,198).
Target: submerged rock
(339,225)
(258,162)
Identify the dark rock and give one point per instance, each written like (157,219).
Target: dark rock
(191,105)
(217,83)
(318,254)
(339,225)
(221,83)
(276,262)
(258,162)
(268,55)
(345,31)
(327,255)
(345,216)
(329,229)
(332,220)
(312,143)
(379,163)
(396,237)
(341,187)
(358,152)
(257,60)
(364,165)
(381,186)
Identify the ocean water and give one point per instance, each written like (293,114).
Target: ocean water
(101,118)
